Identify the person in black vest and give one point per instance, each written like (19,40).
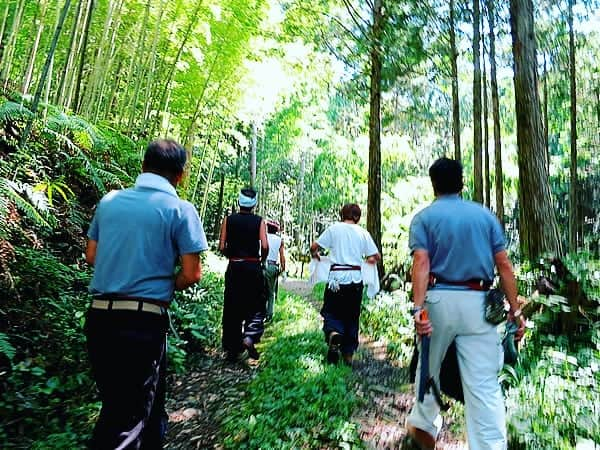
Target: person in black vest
(244,242)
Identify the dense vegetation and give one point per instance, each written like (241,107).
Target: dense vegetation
(313,103)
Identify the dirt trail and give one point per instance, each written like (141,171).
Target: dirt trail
(200,399)
(385,389)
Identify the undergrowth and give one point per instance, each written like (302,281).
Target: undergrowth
(296,400)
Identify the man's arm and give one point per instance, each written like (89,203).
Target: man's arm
(223,236)
(509,286)
(190,272)
(281,257)
(90,252)
(314,250)
(264,243)
(420,280)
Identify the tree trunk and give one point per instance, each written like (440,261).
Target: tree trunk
(546,123)
(455,102)
(486,130)
(538,227)
(209,176)
(34,48)
(166,87)
(49,58)
(107,64)
(3,29)
(137,64)
(9,51)
(149,81)
(253,156)
(499,178)
(573,203)
(60,94)
(219,210)
(374,184)
(99,63)
(76,101)
(477,163)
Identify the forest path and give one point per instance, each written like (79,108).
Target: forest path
(385,389)
(200,400)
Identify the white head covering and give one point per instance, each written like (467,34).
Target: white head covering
(246,201)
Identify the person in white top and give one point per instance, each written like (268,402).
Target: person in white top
(275,265)
(349,245)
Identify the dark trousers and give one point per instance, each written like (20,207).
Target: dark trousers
(244,305)
(127,352)
(341,313)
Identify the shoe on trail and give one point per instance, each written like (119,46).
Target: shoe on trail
(333,353)
(249,346)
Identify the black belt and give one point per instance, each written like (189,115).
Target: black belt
(270,261)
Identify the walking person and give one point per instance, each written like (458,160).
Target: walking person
(349,245)
(136,238)
(244,242)
(455,245)
(274,267)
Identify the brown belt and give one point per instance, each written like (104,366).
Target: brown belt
(243,259)
(473,284)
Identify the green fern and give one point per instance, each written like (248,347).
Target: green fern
(11,111)
(6,348)
(76,125)
(37,202)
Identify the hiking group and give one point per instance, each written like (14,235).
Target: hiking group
(139,235)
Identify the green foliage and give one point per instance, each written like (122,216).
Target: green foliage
(14,112)
(196,318)
(556,404)
(293,373)
(6,348)
(387,317)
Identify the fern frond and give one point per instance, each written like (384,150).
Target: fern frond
(6,347)
(11,111)
(76,125)
(13,190)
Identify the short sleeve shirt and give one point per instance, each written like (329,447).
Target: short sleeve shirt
(347,244)
(274,246)
(141,232)
(460,236)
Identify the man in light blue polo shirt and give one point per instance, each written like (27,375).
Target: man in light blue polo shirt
(455,245)
(136,238)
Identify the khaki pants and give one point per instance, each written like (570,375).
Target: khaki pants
(458,315)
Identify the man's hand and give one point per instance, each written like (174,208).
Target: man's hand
(314,251)
(373,259)
(520,321)
(423,326)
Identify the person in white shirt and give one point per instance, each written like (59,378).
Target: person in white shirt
(275,265)
(349,245)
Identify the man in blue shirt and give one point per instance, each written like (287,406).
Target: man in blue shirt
(455,245)
(136,238)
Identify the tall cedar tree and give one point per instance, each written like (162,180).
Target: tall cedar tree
(538,227)
(477,162)
(499,178)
